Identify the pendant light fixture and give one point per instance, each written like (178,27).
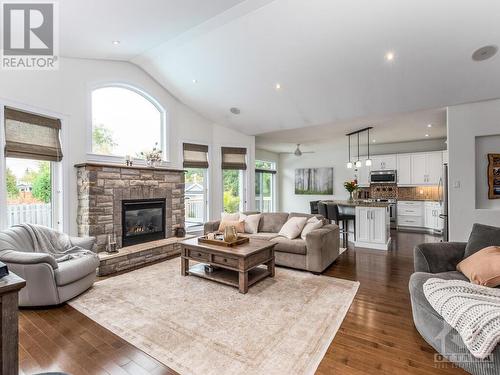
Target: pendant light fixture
(368,161)
(358,162)
(349,163)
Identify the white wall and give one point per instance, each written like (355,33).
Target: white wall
(334,154)
(66,93)
(465,123)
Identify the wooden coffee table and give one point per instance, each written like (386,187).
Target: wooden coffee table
(236,266)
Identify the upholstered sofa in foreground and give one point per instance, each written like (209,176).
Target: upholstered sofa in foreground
(315,253)
(440,260)
(47,281)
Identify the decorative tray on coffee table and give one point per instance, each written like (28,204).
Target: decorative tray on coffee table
(219,241)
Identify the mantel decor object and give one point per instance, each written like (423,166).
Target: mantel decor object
(494,176)
(153,158)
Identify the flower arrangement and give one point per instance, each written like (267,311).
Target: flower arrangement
(153,157)
(351,186)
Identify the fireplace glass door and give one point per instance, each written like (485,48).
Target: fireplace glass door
(143,221)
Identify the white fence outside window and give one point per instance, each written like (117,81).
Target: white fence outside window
(39,213)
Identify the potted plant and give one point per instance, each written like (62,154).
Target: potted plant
(153,157)
(351,186)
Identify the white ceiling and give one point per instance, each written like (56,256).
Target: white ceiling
(88,27)
(328,55)
(386,129)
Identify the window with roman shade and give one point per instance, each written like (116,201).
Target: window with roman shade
(30,136)
(195,156)
(234,158)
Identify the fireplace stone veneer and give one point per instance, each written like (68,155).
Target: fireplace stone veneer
(103,187)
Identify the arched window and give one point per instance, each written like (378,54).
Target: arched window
(125,122)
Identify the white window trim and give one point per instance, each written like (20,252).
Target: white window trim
(120,159)
(60,182)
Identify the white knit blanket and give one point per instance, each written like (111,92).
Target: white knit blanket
(472,310)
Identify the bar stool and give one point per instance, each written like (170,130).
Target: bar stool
(342,214)
(322,210)
(314,207)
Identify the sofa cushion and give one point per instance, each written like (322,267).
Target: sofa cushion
(251,222)
(293,227)
(76,269)
(260,236)
(272,221)
(285,245)
(311,224)
(482,236)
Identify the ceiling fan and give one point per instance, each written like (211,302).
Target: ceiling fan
(298,152)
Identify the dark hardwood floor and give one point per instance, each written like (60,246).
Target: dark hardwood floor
(376,337)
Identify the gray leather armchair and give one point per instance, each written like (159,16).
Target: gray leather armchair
(47,281)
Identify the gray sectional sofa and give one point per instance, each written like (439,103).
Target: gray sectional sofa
(315,253)
(440,260)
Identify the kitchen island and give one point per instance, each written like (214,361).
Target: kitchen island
(373,224)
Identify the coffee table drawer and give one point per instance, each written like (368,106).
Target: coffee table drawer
(225,261)
(197,255)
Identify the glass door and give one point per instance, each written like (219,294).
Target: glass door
(196,199)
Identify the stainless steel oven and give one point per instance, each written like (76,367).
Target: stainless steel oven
(383,177)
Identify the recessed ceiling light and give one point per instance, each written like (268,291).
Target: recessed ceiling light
(484,53)
(235,111)
(429,125)
(115,42)
(427,135)
(389,56)
(277,86)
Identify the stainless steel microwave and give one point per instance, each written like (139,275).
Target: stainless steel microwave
(383,177)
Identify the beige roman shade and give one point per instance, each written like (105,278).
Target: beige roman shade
(234,158)
(30,136)
(195,156)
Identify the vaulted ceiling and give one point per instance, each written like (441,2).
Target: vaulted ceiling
(328,56)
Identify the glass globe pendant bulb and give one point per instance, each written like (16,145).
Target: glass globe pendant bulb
(349,165)
(358,164)
(368,162)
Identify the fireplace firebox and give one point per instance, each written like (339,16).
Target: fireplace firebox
(142,221)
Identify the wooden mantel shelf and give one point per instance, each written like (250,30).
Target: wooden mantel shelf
(124,166)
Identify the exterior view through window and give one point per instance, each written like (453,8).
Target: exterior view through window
(233,190)
(264,185)
(195,198)
(124,122)
(29,192)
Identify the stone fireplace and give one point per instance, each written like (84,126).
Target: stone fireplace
(134,204)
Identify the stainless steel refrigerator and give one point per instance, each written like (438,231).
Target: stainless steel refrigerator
(443,197)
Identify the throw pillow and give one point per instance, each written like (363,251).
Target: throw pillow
(293,227)
(482,236)
(238,224)
(251,222)
(311,224)
(229,217)
(482,267)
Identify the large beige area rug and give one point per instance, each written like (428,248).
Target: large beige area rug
(195,326)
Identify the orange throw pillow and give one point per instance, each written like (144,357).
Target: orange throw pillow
(482,267)
(239,225)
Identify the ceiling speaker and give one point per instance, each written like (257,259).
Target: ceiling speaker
(484,53)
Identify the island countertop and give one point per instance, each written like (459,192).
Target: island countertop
(359,203)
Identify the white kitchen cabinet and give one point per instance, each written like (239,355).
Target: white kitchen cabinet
(426,168)
(404,169)
(431,219)
(373,227)
(384,162)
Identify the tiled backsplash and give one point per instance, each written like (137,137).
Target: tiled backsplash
(420,193)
